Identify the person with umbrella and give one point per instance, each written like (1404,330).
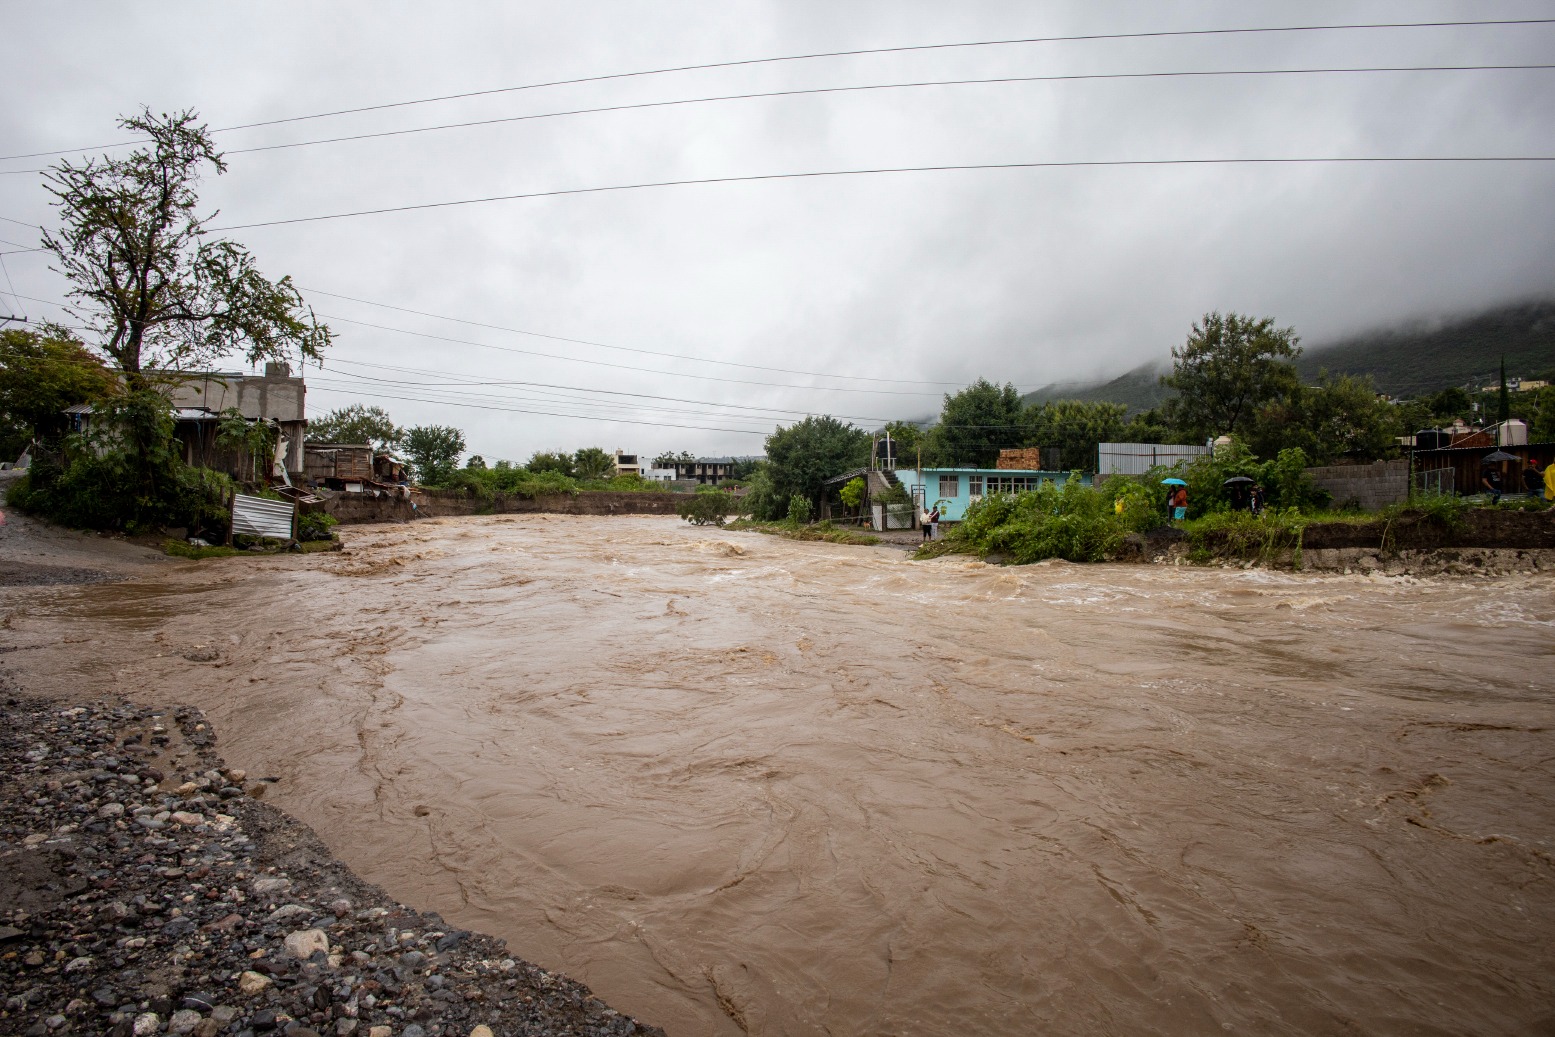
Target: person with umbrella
(1490,478)
(1240,488)
(1176,499)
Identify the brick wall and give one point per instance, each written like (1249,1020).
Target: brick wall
(1021,459)
(1370,486)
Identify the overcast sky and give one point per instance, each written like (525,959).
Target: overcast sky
(924,281)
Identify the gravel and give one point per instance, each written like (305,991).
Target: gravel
(145,890)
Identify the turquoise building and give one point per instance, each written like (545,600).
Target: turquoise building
(954,489)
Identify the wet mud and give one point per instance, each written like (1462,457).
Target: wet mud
(739,784)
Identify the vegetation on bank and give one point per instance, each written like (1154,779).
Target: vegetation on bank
(823,531)
(1080,523)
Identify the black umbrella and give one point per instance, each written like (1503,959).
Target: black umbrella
(1499,455)
(1236,479)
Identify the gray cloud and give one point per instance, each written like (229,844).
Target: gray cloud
(1026,275)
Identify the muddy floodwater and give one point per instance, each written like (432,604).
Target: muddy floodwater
(735,783)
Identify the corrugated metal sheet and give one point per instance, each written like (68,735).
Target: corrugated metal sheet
(258,516)
(1139,458)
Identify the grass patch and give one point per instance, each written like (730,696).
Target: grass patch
(180,549)
(1271,538)
(793,531)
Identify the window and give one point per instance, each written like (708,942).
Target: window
(949,485)
(974,485)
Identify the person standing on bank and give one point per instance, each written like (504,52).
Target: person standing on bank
(1179,504)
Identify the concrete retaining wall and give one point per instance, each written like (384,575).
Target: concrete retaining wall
(359,508)
(1369,486)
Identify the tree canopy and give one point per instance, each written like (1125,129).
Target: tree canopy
(592,462)
(41,373)
(1229,366)
(357,423)
(433,452)
(975,424)
(158,293)
(801,457)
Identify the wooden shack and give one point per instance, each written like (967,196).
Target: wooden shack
(345,462)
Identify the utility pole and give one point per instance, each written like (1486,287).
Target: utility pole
(19,320)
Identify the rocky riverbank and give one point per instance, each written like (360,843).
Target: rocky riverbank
(145,889)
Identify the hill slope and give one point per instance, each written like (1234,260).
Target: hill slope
(1404,361)
(1466,351)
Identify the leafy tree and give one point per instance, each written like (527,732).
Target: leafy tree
(1229,367)
(1340,416)
(157,291)
(1075,427)
(476,463)
(1503,398)
(433,452)
(357,423)
(1541,414)
(41,373)
(559,463)
(799,509)
(593,463)
(801,457)
(709,506)
(976,423)
(250,439)
(761,497)
(852,493)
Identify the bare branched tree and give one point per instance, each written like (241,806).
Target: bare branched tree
(161,295)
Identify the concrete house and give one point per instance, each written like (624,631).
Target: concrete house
(276,396)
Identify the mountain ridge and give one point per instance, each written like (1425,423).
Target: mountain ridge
(1405,359)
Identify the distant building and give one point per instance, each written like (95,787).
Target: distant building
(710,471)
(629,464)
(1526,384)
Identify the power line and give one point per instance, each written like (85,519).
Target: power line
(860,89)
(958,167)
(628,349)
(624,367)
(554,414)
(859,52)
(550,385)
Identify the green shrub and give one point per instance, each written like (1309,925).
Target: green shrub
(1284,479)
(798,509)
(1075,522)
(706,507)
(316,525)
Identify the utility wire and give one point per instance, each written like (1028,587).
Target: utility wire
(859,52)
(477,383)
(819,174)
(857,89)
(627,349)
(624,367)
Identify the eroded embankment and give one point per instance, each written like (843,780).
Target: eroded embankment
(737,783)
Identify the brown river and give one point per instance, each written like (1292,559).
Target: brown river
(740,784)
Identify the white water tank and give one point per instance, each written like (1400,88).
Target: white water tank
(1512,433)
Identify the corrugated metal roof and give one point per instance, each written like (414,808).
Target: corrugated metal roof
(260,516)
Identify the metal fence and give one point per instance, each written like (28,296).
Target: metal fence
(1139,458)
(1437,480)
